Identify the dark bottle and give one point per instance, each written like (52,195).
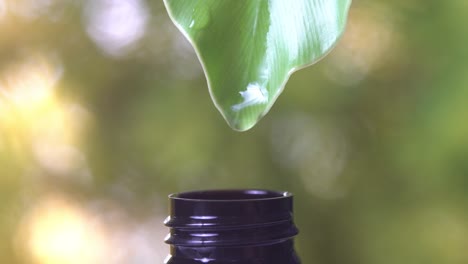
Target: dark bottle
(231,227)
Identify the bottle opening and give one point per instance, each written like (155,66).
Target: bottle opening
(229,195)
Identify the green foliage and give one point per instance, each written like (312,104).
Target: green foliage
(249,49)
(373,140)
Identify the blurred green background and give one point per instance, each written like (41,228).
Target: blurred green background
(104,111)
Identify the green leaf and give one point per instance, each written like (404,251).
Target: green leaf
(249,48)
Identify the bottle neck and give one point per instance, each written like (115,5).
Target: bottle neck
(281,252)
(231,227)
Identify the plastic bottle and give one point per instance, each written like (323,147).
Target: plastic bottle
(231,227)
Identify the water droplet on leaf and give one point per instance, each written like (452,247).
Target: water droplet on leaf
(200,17)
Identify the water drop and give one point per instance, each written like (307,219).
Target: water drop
(253,95)
(200,17)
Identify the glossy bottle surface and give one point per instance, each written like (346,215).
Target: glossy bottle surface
(231,226)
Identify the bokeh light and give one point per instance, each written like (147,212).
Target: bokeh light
(369,43)
(29,85)
(315,150)
(61,230)
(51,126)
(55,141)
(116,26)
(3,8)
(58,231)
(33,9)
